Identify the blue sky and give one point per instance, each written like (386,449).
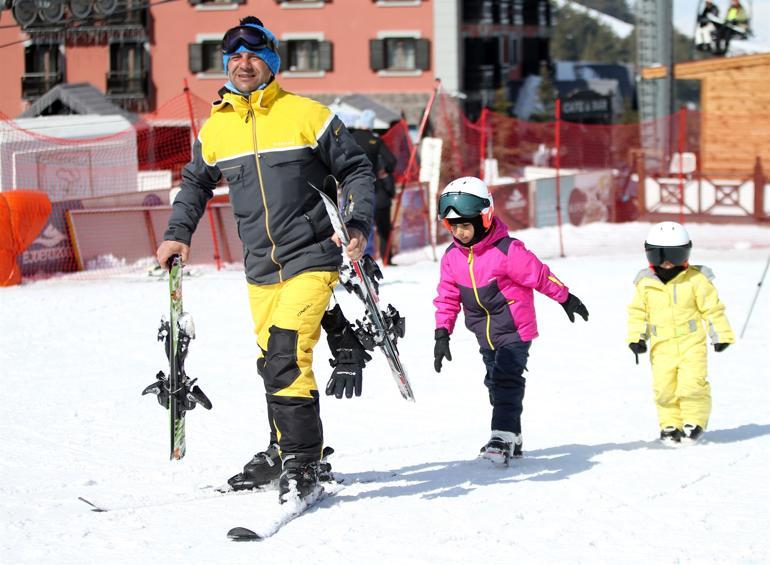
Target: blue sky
(685,10)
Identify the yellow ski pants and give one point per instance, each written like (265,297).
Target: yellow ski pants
(287,322)
(679,372)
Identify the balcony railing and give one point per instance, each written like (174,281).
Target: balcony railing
(128,84)
(34,85)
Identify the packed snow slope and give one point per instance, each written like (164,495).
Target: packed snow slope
(594,484)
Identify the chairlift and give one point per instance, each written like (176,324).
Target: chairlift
(713,33)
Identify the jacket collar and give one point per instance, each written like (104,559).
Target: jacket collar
(496,232)
(258,101)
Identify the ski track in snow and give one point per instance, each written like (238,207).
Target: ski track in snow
(593,486)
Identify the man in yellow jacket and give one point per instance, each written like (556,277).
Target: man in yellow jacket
(674,307)
(269,145)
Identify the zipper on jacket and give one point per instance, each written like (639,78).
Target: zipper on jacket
(262,190)
(478,300)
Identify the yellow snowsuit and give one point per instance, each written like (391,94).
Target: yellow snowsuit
(675,318)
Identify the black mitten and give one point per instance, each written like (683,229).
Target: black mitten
(350,357)
(441,349)
(719,347)
(638,347)
(573,306)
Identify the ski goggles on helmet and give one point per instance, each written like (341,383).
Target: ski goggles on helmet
(657,255)
(250,37)
(463,204)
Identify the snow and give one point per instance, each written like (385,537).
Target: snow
(618,26)
(593,486)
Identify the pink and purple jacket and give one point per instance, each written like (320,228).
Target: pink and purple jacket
(493,281)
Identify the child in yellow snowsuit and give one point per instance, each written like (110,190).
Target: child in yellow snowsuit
(674,306)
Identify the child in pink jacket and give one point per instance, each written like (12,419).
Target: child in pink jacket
(491,276)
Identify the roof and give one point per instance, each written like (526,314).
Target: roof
(357,103)
(699,69)
(78,98)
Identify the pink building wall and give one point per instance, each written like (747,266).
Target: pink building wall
(12,65)
(348,24)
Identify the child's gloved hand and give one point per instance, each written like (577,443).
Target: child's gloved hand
(573,306)
(719,347)
(638,347)
(441,349)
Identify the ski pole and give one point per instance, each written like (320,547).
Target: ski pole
(636,356)
(756,295)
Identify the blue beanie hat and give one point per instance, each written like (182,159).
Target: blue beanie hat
(271,58)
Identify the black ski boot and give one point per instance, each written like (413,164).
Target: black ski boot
(692,433)
(263,468)
(298,478)
(671,435)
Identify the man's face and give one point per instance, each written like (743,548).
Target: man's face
(247,71)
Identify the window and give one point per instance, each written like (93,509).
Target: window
(42,69)
(206,57)
(302,53)
(129,64)
(399,54)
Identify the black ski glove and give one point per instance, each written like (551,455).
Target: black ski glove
(441,349)
(638,347)
(573,306)
(720,347)
(350,357)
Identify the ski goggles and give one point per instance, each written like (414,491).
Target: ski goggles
(465,205)
(250,37)
(657,255)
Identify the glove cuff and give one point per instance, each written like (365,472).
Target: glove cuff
(441,333)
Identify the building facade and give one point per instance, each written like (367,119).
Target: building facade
(139,52)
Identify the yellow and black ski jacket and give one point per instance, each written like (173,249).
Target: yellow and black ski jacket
(269,146)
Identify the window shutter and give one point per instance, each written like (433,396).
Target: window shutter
(283,53)
(377,54)
(195,51)
(422,54)
(326,53)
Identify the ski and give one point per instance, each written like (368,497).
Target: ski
(290,511)
(381,329)
(176,392)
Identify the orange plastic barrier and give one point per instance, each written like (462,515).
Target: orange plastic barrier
(23,214)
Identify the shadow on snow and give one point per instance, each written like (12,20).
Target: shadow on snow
(457,478)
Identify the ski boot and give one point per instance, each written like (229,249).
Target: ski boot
(691,433)
(501,447)
(671,435)
(264,468)
(299,479)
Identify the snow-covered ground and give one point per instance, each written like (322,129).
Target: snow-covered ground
(594,485)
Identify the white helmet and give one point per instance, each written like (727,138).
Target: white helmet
(668,234)
(668,241)
(466,197)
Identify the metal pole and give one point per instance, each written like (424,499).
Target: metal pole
(756,295)
(558,174)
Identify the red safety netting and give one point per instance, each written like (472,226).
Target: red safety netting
(109,181)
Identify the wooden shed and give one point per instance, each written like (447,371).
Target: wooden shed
(735,111)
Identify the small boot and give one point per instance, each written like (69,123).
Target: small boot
(692,433)
(263,468)
(670,435)
(502,446)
